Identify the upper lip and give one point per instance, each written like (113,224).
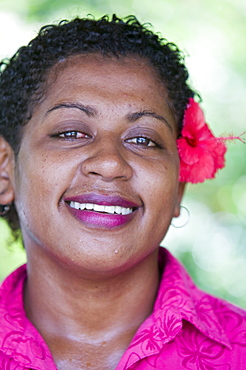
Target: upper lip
(102,199)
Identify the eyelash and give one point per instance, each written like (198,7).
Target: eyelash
(73,135)
(70,135)
(148,141)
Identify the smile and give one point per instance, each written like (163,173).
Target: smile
(101,208)
(102,211)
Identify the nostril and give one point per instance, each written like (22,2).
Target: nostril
(94,173)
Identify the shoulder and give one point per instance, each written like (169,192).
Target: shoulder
(21,345)
(216,318)
(12,287)
(12,314)
(231,318)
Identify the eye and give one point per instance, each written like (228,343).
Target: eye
(71,135)
(142,141)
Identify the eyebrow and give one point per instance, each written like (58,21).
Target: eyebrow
(132,117)
(91,112)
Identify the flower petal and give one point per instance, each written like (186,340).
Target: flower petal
(194,118)
(196,173)
(201,153)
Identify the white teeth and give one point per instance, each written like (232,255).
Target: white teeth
(125,211)
(74,205)
(99,208)
(109,209)
(89,206)
(118,210)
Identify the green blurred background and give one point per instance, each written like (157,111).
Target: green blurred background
(212,33)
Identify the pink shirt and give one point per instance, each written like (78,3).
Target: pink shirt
(188,329)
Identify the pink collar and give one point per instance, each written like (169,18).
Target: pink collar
(178,301)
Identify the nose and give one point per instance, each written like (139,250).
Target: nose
(105,160)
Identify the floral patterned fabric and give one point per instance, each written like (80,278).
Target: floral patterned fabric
(188,329)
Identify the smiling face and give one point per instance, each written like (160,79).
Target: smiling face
(96,179)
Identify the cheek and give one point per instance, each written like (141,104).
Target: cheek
(160,193)
(38,186)
(158,188)
(159,180)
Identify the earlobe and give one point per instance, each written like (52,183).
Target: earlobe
(6,172)
(181,191)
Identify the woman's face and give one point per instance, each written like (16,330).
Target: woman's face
(96,179)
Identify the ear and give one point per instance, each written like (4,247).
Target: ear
(6,172)
(181,190)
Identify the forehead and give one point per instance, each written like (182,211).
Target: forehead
(106,77)
(93,68)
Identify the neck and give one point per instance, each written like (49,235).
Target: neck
(64,304)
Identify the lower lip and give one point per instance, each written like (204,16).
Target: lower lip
(101,220)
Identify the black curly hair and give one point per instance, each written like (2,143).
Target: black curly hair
(23,77)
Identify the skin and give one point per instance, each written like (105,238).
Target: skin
(80,276)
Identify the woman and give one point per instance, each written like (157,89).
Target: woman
(91,168)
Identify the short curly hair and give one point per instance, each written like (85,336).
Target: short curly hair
(23,77)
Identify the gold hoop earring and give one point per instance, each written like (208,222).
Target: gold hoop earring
(183,219)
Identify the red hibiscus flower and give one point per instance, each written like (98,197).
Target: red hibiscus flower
(201,153)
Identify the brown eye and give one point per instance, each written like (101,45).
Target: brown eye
(142,141)
(72,135)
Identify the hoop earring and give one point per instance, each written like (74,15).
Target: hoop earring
(184,219)
(4,208)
